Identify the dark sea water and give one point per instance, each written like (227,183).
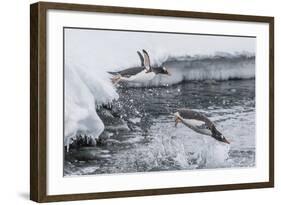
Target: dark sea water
(140,135)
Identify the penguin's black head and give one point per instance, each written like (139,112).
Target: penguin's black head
(218,136)
(164,71)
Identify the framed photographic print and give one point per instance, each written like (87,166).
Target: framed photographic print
(134,102)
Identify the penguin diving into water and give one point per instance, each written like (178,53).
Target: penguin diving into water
(139,74)
(198,123)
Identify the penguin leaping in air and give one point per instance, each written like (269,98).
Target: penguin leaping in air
(199,123)
(139,74)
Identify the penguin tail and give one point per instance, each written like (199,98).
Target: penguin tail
(112,72)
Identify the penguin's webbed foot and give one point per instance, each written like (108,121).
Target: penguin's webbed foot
(177,121)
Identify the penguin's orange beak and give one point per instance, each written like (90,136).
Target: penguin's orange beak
(167,73)
(225,141)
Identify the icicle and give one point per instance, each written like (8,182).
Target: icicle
(67,144)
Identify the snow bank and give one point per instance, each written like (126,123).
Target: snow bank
(221,66)
(84,91)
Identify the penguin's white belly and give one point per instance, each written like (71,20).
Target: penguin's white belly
(197,126)
(195,123)
(141,77)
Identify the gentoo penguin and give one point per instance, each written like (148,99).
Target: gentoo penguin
(143,73)
(198,123)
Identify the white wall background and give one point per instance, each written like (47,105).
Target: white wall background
(14,101)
